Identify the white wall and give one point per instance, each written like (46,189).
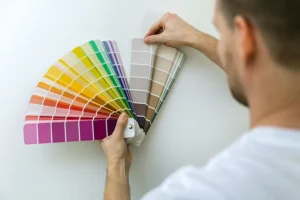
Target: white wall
(198,119)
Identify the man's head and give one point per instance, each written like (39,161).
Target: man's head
(256,33)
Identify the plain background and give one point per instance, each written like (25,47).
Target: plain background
(198,119)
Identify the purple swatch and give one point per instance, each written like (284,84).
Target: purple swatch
(86,130)
(44,133)
(72,131)
(30,134)
(99,129)
(58,132)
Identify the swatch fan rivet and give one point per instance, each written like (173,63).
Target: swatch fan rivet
(130,126)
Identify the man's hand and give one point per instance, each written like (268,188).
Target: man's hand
(115,147)
(172,31)
(118,161)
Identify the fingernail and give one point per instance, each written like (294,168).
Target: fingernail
(147,40)
(123,116)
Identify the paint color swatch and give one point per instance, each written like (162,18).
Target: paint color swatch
(80,97)
(153,71)
(164,65)
(160,64)
(82,94)
(142,61)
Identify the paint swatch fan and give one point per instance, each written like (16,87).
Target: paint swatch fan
(82,94)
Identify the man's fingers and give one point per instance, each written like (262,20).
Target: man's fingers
(120,127)
(156,32)
(155,28)
(154,39)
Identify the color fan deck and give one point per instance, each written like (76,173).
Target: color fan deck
(82,94)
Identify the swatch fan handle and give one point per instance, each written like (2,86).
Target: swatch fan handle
(133,134)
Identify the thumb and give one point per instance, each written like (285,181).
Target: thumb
(154,39)
(121,124)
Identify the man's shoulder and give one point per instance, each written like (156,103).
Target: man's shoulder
(262,164)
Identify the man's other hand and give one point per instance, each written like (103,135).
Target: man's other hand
(172,31)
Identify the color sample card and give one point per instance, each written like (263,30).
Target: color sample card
(113,53)
(162,70)
(177,64)
(142,60)
(79,98)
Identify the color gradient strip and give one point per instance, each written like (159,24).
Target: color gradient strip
(80,92)
(178,62)
(115,58)
(69,131)
(163,67)
(142,60)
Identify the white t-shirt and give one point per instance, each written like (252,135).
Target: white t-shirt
(264,164)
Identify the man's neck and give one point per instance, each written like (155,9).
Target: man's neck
(285,117)
(276,100)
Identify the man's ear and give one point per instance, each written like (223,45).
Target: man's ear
(246,38)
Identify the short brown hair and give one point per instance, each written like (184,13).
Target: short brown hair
(277,20)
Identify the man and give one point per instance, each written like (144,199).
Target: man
(259,50)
